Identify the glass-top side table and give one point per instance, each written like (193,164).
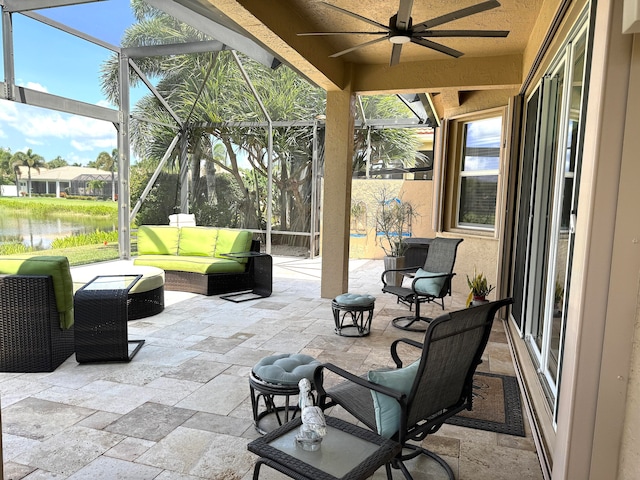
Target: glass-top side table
(261,277)
(101,315)
(347,452)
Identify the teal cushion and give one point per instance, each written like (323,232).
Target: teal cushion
(158,240)
(286,368)
(55,266)
(198,241)
(429,283)
(387,409)
(354,300)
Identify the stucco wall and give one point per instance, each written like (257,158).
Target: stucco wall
(476,252)
(629,453)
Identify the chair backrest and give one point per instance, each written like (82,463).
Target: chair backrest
(441,258)
(453,347)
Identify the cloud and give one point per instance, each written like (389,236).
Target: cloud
(36,86)
(32,141)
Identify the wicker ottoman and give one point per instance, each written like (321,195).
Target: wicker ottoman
(355,306)
(146,298)
(278,375)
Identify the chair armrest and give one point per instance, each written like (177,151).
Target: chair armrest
(384,274)
(318,378)
(394,349)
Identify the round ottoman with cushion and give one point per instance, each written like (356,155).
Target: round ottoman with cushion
(354,305)
(278,375)
(145,298)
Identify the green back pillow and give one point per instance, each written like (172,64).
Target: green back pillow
(233,241)
(198,241)
(158,240)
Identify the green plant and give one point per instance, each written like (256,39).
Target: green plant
(478,285)
(393,222)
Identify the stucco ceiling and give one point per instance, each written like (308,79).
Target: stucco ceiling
(486,63)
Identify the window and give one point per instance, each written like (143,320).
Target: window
(476,148)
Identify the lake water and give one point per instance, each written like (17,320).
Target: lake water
(40,232)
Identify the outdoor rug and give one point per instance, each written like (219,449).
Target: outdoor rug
(496,406)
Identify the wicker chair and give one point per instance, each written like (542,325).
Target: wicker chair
(31,337)
(407,404)
(431,283)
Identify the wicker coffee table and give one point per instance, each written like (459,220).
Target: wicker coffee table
(347,452)
(101,315)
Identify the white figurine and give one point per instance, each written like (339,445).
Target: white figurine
(314,426)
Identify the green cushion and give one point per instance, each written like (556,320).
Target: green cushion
(233,241)
(193,264)
(198,241)
(158,240)
(387,409)
(55,266)
(429,283)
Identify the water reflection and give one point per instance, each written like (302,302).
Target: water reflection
(41,232)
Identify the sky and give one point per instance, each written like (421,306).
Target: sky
(55,62)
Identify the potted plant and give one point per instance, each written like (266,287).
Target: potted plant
(479,289)
(393,223)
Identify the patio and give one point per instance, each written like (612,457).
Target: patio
(181,408)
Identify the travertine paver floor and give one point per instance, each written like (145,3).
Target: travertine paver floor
(181,409)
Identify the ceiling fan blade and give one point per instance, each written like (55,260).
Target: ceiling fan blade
(403,17)
(359,17)
(395,54)
(450,17)
(461,33)
(340,33)
(371,42)
(436,46)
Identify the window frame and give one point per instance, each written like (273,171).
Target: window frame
(455,153)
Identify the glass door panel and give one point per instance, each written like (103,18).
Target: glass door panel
(565,210)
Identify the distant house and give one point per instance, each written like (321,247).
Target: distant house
(71,180)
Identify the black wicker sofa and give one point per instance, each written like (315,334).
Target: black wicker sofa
(197,260)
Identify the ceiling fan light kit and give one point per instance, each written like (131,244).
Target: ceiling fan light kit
(401,29)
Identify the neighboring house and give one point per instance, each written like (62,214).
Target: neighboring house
(70,180)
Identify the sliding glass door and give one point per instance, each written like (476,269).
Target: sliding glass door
(547,210)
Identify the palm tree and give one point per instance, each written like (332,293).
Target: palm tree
(109,163)
(30,160)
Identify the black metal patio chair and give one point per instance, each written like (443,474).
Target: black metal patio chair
(408,403)
(431,283)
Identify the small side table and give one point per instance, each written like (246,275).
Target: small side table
(262,277)
(354,305)
(347,452)
(101,315)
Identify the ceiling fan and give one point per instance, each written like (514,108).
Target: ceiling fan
(401,29)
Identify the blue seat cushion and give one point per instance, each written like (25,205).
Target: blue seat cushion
(286,368)
(354,300)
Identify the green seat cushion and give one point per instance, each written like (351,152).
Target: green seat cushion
(429,283)
(197,241)
(195,264)
(233,241)
(55,266)
(387,409)
(158,240)
(286,368)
